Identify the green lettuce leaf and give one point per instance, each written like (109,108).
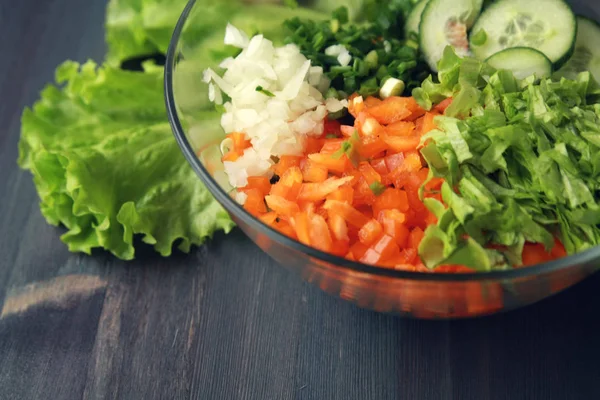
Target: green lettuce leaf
(106,166)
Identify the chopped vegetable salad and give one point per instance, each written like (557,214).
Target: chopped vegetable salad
(492,163)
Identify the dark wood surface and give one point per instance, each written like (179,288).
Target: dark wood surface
(225,322)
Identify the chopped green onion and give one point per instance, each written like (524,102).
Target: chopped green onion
(332,93)
(335,25)
(347,149)
(392,87)
(377,188)
(372,59)
(264,91)
(377,44)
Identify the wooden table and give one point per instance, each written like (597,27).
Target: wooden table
(225,322)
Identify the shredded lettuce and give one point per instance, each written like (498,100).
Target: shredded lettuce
(520,161)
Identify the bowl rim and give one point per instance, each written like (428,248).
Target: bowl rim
(239,212)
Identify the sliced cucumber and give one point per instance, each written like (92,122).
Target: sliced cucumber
(586,56)
(522,62)
(414,19)
(545,25)
(446,23)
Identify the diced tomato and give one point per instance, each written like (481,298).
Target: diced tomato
(231,156)
(394,161)
(415,109)
(411,165)
(453,269)
(370,127)
(369,173)
(321,211)
(428,123)
(285,228)
(392,109)
(347,131)
(320,237)
(282,206)
(386,246)
(380,166)
(393,222)
(363,195)
(331,127)
(240,141)
(414,202)
(370,257)
(558,251)
(346,211)
(371,146)
(319,191)
(261,183)
(255,202)
(370,232)
(332,146)
(338,227)
(313,172)
(356,105)
(268,218)
(333,164)
(535,253)
(441,108)
(400,128)
(344,193)
(301,224)
(431,219)
(358,250)
(353,172)
(314,145)
(415,237)
(391,199)
(285,163)
(372,102)
(402,143)
(434,184)
(289,184)
(340,247)
(409,255)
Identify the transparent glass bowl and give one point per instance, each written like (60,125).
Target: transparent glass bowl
(419,295)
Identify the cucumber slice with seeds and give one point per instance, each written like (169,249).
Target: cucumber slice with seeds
(446,23)
(522,62)
(548,26)
(586,56)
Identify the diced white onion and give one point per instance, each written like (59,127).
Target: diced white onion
(235,37)
(334,105)
(335,50)
(241,197)
(277,119)
(344,58)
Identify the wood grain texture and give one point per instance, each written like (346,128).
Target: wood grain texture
(225,322)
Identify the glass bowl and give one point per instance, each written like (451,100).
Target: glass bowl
(415,294)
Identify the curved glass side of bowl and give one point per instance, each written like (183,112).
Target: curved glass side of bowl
(196,125)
